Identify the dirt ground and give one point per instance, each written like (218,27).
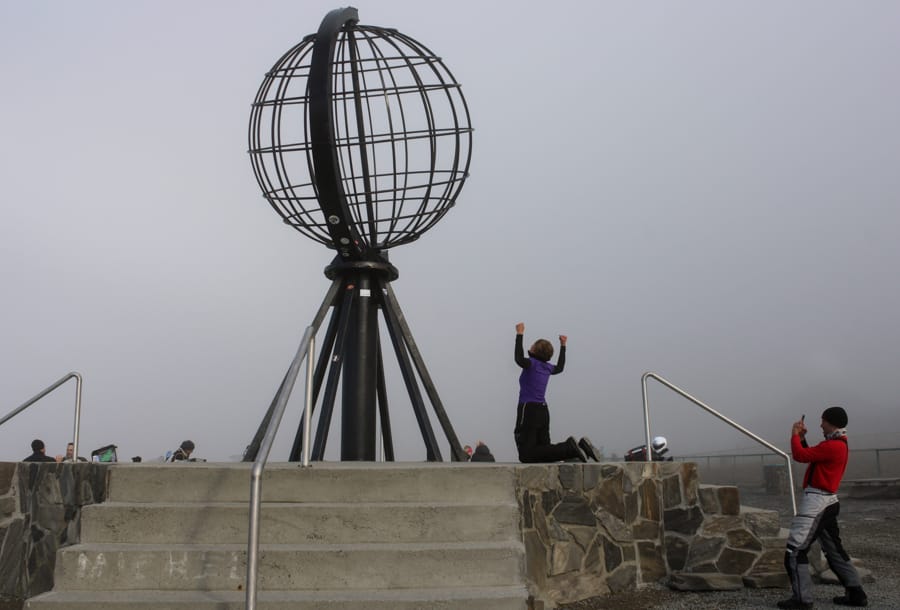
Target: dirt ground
(870,530)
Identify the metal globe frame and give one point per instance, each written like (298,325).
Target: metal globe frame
(360,138)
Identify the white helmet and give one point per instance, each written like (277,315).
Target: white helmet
(659,443)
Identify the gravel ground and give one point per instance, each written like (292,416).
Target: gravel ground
(870,530)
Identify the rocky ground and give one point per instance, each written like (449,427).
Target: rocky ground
(870,530)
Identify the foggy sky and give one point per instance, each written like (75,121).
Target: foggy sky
(703,190)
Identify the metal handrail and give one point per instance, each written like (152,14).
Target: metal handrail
(46,391)
(709,409)
(306,349)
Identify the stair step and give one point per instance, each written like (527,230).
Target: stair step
(322,482)
(117,567)
(495,598)
(295,523)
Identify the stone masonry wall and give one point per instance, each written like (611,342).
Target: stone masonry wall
(40,509)
(595,529)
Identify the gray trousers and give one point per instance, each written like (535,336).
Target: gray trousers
(816,519)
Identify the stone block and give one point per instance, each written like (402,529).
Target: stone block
(570,478)
(649,500)
(535,559)
(690,481)
(683,520)
(609,496)
(574,510)
(676,551)
(535,478)
(771,560)
(549,499)
(557,532)
(705,582)
(719,525)
(767,580)
(729,500)
(565,557)
(592,558)
(645,530)
(591,476)
(584,536)
(612,554)
(704,550)
(623,579)
(668,469)
(7,472)
(734,561)
(12,558)
(744,540)
(763,523)
(573,587)
(540,522)
(608,471)
(709,500)
(527,510)
(631,506)
(614,527)
(672,492)
(650,558)
(7,507)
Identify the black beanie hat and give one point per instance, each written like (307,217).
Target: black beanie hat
(836,416)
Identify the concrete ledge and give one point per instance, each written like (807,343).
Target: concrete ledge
(872,489)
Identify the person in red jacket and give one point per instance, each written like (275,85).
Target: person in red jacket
(816,516)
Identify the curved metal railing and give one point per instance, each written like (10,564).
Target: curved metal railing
(709,409)
(46,391)
(306,349)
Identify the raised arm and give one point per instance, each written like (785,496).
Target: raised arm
(519,353)
(561,362)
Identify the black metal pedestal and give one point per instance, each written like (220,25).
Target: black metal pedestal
(352,347)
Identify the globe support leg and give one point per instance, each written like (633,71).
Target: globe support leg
(318,376)
(387,439)
(391,305)
(358,407)
(253,448)
(334,375)
(352,340)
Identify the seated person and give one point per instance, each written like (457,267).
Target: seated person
(38,452)
(183,453)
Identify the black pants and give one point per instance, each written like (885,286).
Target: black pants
(533,435)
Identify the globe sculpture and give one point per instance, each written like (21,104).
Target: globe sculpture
(360,139)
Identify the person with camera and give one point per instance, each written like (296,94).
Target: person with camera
(816,517)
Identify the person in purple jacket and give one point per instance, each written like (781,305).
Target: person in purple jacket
(532,430)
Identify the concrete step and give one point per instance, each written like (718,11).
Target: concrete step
(296,523)
(322,482)
(495,598)
(118,567)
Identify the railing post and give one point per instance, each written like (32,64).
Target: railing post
(46,391)
(281,399)
(712,411)
(307,410)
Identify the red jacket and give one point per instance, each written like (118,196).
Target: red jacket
(827,462)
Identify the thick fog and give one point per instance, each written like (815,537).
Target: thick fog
(704,190)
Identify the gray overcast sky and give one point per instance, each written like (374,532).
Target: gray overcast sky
(705,190)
